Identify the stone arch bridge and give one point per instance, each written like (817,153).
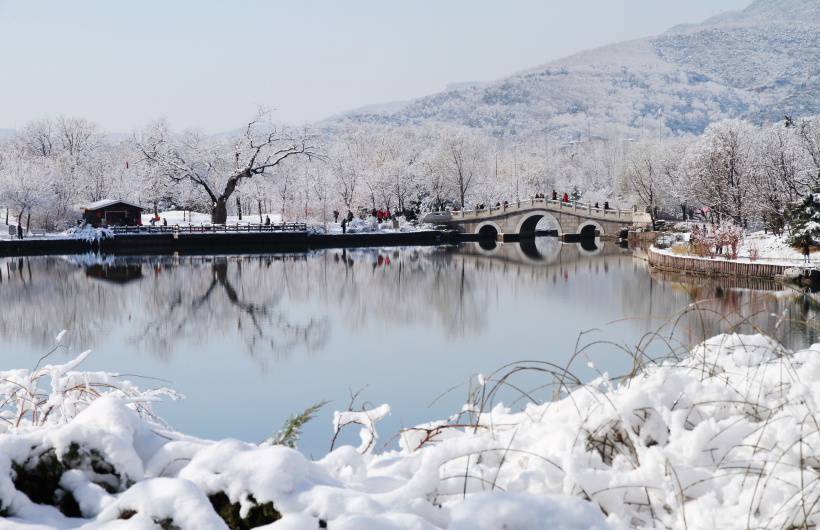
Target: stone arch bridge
(520,220)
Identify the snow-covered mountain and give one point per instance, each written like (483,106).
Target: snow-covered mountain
(759,63)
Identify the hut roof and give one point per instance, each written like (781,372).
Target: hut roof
(105,203)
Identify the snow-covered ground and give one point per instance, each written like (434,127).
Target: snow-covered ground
(756,246)
(770,247)
(357,226)
(185,218)
(725,437)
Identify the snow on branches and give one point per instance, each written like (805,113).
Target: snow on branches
(804,217)
(218,165)
(722,437)
(54,394)
(714,241)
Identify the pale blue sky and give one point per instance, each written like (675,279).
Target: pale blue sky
(209,64)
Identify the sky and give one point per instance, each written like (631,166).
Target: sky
(210,64)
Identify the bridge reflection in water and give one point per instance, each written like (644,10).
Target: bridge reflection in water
(543,250)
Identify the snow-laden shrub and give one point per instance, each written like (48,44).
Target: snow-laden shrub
(65,439)
(713,241)
(89,234)
(723,437)
(728,236)
(54,394)
(362,226)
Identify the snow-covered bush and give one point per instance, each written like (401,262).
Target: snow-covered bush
(55,394)
(89,234)
(723,437)
(705,241)
(728,236)
(754,252)
(701,241)
(361,226)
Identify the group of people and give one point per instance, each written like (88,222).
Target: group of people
(564,199)
(345,220)
(156,219)
(381,215)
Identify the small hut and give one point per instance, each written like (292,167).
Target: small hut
(110,212)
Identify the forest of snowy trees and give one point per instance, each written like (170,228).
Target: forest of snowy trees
(734,171)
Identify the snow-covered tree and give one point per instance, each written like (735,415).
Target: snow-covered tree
(804,217)
(722,166)
(644,176)
(218,166)
(25,188)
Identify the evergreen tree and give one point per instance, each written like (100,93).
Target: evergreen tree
(804,217)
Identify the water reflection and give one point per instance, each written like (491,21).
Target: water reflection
(750,305)
(274,305)
(120,274)
(280,332)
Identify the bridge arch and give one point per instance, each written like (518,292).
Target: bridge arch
(590,228)
(529,221)
(541,250)
(590,247)
(488,230)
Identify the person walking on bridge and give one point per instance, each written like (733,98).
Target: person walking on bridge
(554,195)
(565,199)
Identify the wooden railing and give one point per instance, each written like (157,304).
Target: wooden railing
(209,228)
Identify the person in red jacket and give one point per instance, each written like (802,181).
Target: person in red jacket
(565,198)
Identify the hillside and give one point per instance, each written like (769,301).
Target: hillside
(759,63)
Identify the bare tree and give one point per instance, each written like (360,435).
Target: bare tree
(463,157)
(643,175)
(219,167)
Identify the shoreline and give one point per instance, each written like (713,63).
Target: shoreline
(712,267)
(199,243)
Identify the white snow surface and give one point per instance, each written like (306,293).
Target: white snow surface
(770,249)
(726,437)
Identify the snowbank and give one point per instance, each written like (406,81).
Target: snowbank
(724,438)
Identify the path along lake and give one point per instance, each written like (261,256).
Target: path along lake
(251,339)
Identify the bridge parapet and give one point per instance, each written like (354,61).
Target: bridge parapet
(509,219)
(584,209)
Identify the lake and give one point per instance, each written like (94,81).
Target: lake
(251,339)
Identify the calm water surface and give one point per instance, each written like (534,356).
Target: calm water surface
(251,339)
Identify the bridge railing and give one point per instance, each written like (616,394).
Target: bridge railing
(575,206)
